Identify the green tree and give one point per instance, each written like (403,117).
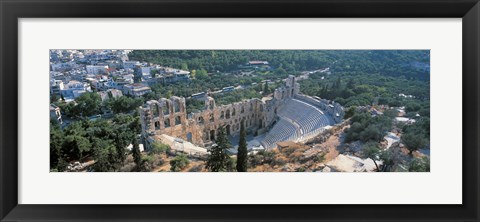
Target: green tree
(88,104)
(242,154)
(137,156)
(184,66)
(153,72)
(350,112)
(75,143)
(421,164)
(371,132)
(105,156)
(56,140)
(158,148)
(392,158)
(201,74)
(372,151)
(218,159)
(413,141)
(266,90)
(281,72)
(179,163)
(123,104)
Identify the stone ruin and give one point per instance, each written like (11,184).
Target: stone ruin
(169,116)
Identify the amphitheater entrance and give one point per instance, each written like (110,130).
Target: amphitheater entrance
(228,130)
(212,135)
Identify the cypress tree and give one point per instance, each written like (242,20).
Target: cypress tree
(266,90)
(242,150)
(137,157)
(218,159)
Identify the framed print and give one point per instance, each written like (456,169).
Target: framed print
(224,110)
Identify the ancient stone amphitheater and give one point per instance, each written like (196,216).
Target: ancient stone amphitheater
(286,116)
(297,120)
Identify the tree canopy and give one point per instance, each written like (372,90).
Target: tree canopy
(218,159)
(242,154)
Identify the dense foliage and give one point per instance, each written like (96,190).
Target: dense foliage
(104,140)
(354,89)
(235,96)
(366,127)
(226,60)
(412,64)
(179,163)
(218,159)
(242,154)
(85,105)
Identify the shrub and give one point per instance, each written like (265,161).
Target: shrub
(147,163)
(158,148)
(179,163)
(421,164)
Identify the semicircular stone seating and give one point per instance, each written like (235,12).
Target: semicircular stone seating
(298,120)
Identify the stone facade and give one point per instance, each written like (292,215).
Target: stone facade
(168,116)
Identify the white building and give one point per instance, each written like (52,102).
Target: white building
(91,69)
(55,113)
(111,93)
(130,64)
(74,89)
(62,67)
(56,86)
(136,89)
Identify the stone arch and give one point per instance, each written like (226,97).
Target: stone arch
(233,111)
(176,106)
(166,111)
(227,114)
(201,120)
(189,136)
(228,130)
(178,120)
(166,122)
(222,115)
(212,135)
(156,110)
(211,105)
(212,118)
(157,125)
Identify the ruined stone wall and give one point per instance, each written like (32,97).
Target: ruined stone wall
(168,116)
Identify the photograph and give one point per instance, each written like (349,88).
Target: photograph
(324,105)
(129,110)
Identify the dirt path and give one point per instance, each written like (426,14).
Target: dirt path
(331,145)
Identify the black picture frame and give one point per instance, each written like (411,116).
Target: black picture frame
(11,11)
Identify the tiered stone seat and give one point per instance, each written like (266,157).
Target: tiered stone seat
(298,119)
(282,131)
